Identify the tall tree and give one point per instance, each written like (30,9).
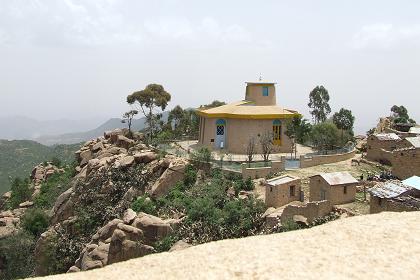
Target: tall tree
(324,136)
(128,118)
(318,102)
(344,120)
(150,100)
(400,115)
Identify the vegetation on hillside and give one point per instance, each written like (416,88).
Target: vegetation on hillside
(18,158)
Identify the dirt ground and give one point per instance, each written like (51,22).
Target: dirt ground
(359,206)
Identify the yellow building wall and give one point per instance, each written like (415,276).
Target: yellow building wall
(238,133)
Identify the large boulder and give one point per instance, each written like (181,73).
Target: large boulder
(124,142)
(41,253)
(154,228)
(63,207)
(180,245)
(169,178)
(145,157)
(125,244)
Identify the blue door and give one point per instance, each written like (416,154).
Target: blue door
(220,141)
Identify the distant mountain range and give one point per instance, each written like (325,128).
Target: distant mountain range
(60,131)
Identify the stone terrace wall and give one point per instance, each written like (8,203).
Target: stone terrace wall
(324,159)
(262,172)
(310,210)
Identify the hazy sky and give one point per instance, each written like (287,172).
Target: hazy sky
(79,59)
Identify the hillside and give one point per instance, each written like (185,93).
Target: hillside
(19,127)
(381,246)
(18,157)
(78,137)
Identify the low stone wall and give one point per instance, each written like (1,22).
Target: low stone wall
(325,159)
(262,172)
(310,210)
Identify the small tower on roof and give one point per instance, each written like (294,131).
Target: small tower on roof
(261,93)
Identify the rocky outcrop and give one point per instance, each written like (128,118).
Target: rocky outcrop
(121,240)
(169,178)
(380,246)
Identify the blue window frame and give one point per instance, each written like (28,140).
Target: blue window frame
(265,91)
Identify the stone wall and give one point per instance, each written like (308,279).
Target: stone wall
(310,210)
(324,159)
(406,163)
(378,205)
(262,172)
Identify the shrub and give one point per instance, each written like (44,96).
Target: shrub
(20,192)
(53,187)
(165,243)
(16,252)
(35,221)
(203,154)
(143,204)
(190,175)
(56,161)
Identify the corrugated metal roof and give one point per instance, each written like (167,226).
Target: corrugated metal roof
(281,180)
(413,182)
(387,136)
(389,189)
(415,141)
(338,178)
(415,130)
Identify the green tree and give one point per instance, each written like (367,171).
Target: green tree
(324,136)
(215,103)
(298,130)
(35,221)
(150,100)
(318,102)
(344,120)
(20,192)
(128,119)
(400,115)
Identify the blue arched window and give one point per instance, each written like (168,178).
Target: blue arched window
(220,127)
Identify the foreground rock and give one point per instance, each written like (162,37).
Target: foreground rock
(121,240)
(362,247)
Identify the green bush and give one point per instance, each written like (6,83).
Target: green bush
(241,185)
(53,187)
(20,192)
(16,251)
(190,175)
(56,161)
(203,155)
(35,221)
(143,204)
(165,243)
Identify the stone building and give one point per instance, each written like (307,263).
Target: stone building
(378,144)
(393,196)
(406,162)
(282,190)
(230,127)
(337,187)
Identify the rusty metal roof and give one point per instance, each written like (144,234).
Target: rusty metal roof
(390,189)
(338,178)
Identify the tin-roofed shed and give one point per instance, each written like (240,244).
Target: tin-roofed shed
(337,187)
(394,196)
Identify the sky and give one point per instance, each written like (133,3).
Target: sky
(80,59)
